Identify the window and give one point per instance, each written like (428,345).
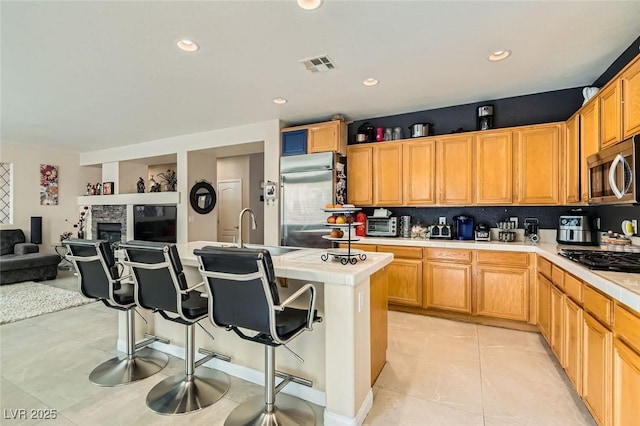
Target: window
(5,193)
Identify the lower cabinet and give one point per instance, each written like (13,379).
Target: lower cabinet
(378,319)
(557,323)
(626,385)
(503,292)
(596,367)
(448,286)
(544,306)
(573,343)
(405,275)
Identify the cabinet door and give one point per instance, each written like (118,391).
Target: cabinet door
(631,100)
(610,120)
(448,286)
(557,323)
(325,137)
(360,175)
(573,343)
(589,142)
(572,161)
(405,282)
(378,319)
(544,306)
(503,292)
(294,142)
(626,385)
(596,369)
(387,174)
(494,163)
(538,165)
(419,172)
(455,170)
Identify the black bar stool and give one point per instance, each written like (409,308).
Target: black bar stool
(162,287)
(243,294)
(100,278)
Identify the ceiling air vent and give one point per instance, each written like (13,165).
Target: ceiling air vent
(318,64)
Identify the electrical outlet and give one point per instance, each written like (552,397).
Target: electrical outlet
(442,220)
(514,219)
(360,301)
(634,222)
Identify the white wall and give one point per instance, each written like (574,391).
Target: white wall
(72,182)
(202,166)
(256,174)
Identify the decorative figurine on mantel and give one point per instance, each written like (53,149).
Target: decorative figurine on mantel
(98,188)
(169,179)
(140,185)
(89,189)
(155,187)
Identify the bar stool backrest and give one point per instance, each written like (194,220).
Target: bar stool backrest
(244,294)
(100,267)
(156,288)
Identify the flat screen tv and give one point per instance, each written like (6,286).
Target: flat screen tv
(154,223)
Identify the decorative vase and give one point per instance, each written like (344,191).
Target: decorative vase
(81,234)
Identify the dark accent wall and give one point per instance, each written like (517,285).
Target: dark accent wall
(611,217)
(617,65)
(538,108)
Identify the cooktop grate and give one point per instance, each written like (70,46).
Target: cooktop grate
(605,260)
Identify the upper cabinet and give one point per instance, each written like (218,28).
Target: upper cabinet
(419,172)
(631,100)
(455,170)
(610,122)
(572,161)
(589,143)
(387,174)
(494,163)
(330,136)
(360,175)
(537,160)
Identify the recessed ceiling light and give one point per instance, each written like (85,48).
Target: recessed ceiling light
(280,101)
(309,4)
(187,45)
(370,82)
(499,55)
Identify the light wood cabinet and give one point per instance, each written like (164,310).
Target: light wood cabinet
(538,164)
(494,164)
(387,174)
(573,343)
(596,369)
(610,121)
(378,319)
(455,170)
(360,175)
(448,286)
(557,323)
(572,161)
(405,275)
(503,292)
(626,385)
(326,137)
(544,306)
(589,142)
(631,100)
(419,172)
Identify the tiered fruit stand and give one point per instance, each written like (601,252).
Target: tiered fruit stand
(345,255)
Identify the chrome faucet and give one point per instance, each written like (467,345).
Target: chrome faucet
(254,225)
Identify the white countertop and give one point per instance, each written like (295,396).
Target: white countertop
(624,287)
(306,264)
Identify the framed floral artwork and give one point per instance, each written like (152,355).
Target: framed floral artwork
(48,185)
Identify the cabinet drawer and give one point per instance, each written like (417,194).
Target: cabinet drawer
(403,252)
(627,326)
(448,255)
(502,258)
(573,287)
(557,276)
(598,304)
(544,266)
(364,247)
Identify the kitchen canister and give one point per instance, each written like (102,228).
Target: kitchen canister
(405,226)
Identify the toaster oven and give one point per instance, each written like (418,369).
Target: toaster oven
(382,226)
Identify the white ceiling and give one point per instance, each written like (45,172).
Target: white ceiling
(98,74)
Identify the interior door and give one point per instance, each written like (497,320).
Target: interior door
(229,205)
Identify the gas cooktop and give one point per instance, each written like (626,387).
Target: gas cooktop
(602,260)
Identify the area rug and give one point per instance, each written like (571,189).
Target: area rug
(30,299)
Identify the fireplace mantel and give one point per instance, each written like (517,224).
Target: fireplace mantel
(130,199)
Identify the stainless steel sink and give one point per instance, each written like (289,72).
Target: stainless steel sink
(274,250)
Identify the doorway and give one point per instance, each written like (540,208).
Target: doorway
(230,206)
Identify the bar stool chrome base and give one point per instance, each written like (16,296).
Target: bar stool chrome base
(123,369)
(179,395)
(288,410)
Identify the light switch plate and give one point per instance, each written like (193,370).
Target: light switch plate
(515,220)
(442,220)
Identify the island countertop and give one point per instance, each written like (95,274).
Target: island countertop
(305,264)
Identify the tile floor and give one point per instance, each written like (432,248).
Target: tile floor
(439,372)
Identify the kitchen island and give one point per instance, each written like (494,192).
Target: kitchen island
(337,353)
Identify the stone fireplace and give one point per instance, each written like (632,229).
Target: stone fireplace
(107,221)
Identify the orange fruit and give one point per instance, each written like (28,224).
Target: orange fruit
(328,206)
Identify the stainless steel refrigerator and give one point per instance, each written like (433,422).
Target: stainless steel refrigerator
(307,184)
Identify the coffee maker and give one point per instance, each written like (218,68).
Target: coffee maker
(463,226)
(485,117)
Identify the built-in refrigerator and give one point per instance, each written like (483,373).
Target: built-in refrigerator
(307,184)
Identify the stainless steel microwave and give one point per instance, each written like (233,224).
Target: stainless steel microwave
(382,226)
(614,173)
